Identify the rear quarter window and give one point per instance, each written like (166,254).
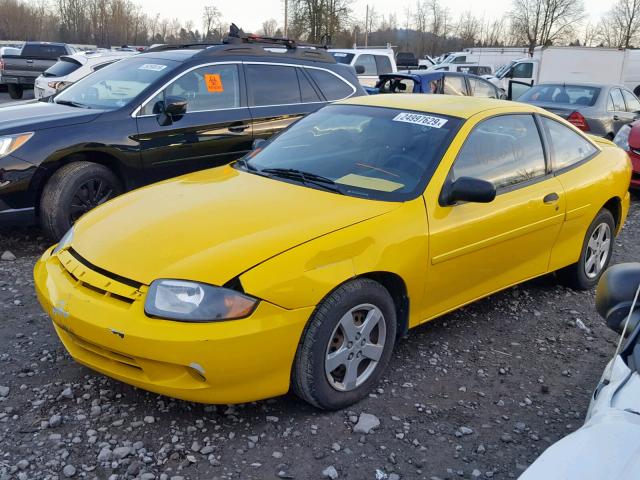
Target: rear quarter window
(567,147)
(332,87)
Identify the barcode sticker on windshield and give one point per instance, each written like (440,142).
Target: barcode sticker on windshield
(152,66)
(418,119)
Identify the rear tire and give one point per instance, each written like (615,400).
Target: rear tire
(595,256)
(346,345)
(15,91)
(73,190)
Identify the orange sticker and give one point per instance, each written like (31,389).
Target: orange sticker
(214,83)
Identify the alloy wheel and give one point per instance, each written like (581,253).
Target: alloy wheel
(89,195)
(597,250)
(355,347)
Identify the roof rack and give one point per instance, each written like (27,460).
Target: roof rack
(179,46)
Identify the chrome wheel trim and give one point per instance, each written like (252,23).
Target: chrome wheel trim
(597,253)
(355,347)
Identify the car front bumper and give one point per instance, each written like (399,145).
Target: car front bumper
(103,326)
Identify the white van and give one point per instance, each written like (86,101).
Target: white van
(494,57)
(570,64)
(369,63)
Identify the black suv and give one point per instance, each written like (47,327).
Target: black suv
(170,111)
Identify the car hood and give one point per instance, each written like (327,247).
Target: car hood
(40,115)
(211,226)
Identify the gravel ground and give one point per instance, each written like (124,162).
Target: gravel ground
(478,393)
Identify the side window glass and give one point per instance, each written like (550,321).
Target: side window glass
(504,150)
(567,146)
(369,64)
(454,85)
(383,64)
(462,59)
(610,106)
(633,105)
(523,70)
(272,85)
(480,88)
(306,89)
(154,106)
(214,87)
(618,101)
(331,86)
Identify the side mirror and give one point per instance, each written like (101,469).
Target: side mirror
(359,69)
(468,189)
(258,143)
(175,106)
(614,295)
(634,137)
(172,109)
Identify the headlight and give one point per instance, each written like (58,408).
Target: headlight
(10,143)
(64,241)
(622,137)
(59,86)
(196,302)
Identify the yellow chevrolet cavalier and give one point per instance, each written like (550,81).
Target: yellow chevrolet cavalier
(300,265)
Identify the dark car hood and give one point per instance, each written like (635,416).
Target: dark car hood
(40,115)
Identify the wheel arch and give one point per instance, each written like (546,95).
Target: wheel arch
(614,205)
(397,288)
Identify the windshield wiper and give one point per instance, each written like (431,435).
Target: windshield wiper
(304,177)
(71,103)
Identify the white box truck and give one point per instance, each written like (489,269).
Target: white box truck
(493,56)
(570,64)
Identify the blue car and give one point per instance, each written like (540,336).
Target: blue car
(447,83)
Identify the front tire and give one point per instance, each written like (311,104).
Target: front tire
(595,256)
(15,91)
(346,346)
(73,190)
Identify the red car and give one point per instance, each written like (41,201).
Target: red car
(628,138)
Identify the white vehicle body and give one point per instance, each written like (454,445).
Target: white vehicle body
(607,446)
(426,62)
(572,64)
(494,57)
(473,68)
(71,68)
(375,61)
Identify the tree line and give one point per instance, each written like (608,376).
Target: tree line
(428,27)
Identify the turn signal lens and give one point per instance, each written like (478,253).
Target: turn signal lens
(10,143)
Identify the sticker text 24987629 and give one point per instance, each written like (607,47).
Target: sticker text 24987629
(419,119)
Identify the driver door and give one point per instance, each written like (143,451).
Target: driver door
(216,129)
(479,248)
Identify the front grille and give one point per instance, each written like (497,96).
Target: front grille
(99,281)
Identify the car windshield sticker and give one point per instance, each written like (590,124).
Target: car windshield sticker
(419,119)
(380,184)
(152,66)
(214,83)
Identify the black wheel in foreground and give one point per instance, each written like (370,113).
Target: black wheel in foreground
(15,91)
(595,256)
(346,346)
(73,190)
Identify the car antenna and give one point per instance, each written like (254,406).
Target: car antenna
(609,372)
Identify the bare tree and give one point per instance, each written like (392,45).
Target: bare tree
(543,22)
(211,23)
(468,29)
(269,27)
(620,26)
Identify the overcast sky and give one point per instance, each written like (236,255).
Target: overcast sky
(249,14)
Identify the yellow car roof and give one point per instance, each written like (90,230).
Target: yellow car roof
(456,106)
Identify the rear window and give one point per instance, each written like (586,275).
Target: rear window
(562,94)
(43,51)
(61,69)
(331,86)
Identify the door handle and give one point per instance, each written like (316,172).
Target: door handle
(616,118)
(238,128)
(551,198)
(29,61)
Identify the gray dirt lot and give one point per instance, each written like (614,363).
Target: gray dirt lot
(6,100)
(479,393)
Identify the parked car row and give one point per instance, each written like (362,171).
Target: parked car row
(19,71)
